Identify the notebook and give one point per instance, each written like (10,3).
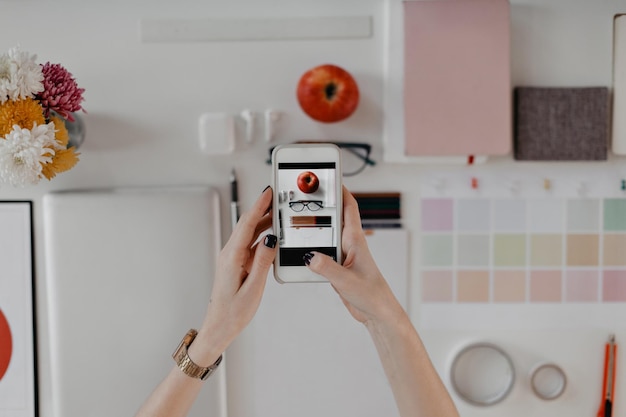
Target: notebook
(457,93)
(128,272)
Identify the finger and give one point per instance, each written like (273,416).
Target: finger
(264,255)
(251,257)
(264,224)
(326,266)
(351,215)
(245,229)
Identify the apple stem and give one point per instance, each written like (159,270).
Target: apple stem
(330,91)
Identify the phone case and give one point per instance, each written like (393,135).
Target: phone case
(307,207)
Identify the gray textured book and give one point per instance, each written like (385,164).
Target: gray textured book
(561,124)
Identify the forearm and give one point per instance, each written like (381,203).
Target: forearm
(175,395)
(416,386)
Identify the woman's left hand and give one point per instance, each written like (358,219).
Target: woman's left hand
(242,269)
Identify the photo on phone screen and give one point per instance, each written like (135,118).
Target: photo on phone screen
(307,210)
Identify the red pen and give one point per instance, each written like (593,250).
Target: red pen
(608,382)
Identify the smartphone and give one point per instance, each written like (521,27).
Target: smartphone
(307,207)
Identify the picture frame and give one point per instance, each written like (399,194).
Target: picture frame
(18,360)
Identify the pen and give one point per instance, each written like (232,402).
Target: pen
(234,199)
(608,383)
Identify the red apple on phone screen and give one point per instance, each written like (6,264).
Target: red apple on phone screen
(308,182)
(328,93)
(6,345)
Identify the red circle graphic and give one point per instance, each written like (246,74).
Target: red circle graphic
(6,345)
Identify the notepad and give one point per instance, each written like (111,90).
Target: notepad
(457,97)
(128,272)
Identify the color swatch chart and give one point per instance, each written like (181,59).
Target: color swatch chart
(520,241)
(523,250)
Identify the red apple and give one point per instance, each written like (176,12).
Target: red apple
(308,182)
(328,93)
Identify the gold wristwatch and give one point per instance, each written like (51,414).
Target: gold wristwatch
(185,363)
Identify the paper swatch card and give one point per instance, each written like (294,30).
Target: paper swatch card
(527,256)
(457,97)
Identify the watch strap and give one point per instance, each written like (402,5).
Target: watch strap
(184,362)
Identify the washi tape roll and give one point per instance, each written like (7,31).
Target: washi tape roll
(548,381)
(482,374)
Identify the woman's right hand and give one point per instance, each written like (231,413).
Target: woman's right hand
(358,281)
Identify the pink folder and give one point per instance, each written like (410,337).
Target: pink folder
(457,88)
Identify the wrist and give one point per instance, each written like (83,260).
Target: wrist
(391,319)
(206,347)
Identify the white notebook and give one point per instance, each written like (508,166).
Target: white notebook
(129,271)
(619,84)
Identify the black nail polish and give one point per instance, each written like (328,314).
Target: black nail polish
(307,258)
(270,241)
(265,189)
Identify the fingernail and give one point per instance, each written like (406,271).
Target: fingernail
(307,258)
(270,241)
(265,189)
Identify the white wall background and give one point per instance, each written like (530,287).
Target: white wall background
(144,101)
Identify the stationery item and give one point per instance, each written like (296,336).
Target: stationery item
(281,234)
(303,221)
(547,184)
(138,262)
(379,209)
(234,199)
(457,99)
(548,381)
(561,124)
(619,85)
(309,236)
(608,380)
(519,250)
(482,374)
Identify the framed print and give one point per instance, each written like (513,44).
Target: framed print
(18,378)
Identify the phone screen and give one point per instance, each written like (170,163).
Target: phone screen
(307,210)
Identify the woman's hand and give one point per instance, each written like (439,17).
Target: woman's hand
(242,269)
(416,386)
(358,281)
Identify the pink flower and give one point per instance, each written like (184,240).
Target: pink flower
(60,92)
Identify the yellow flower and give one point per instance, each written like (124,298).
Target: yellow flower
(63,160)
(23,113)
(62,136)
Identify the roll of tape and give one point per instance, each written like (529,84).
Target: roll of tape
(548,381)
(482,374)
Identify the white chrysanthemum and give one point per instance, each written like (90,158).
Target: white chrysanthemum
(26,75)
(7,80)
(22,153)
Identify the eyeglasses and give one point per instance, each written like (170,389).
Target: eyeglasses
(354,156)
(312,205)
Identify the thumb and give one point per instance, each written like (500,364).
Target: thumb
(326,266)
